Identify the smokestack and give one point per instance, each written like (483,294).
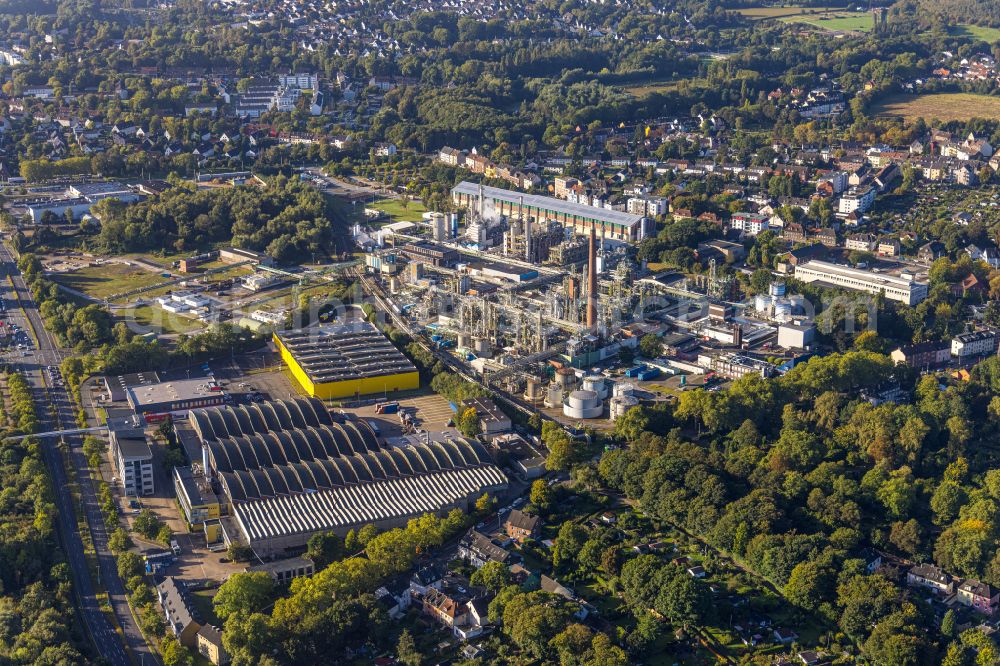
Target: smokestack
(482,204)
(592,281)
(527,230)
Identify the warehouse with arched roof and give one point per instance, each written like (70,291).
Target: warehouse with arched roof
(288,470)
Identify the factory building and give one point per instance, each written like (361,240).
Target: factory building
(289,471)
(903,288)
(612,224)
(155,401)
(344,360)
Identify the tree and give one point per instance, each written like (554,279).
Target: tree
(119,541)
(494,576)
(324,548)
(541,495)
(406,650)
(245,593)
(173,653)
(569,541)
(651,346)
(147,524)
(948,624)
(468,423)
(631,424)
(562,452)
(129,564)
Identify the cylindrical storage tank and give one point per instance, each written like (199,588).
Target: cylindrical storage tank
(595,383)
(554,396)
(533,390)
(621,404)
(777,289)
(565,377)
(583,405)
(798,303)
(761,302)
(393,285)
(623,388)
(782,311)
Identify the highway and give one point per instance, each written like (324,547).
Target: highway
(55,411)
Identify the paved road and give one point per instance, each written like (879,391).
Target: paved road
(56,410)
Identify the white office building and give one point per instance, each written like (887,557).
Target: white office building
(903,288)
(133,461)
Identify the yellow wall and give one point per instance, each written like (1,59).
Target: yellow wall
(368,385)
(344,389)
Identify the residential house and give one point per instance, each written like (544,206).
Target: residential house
(979,595)
(826,236)
(861,242)
(976,343)
(931,354)
(521,526)
(928,252)
(426,578)
(210,645)
(930,577)
(888,247)
(178,612)
(478,549)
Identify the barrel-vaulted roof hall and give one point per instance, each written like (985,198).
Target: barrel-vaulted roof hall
(289,470)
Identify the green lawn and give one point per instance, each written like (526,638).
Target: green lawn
(838,21)
(979,32)
(761,13)
(106,280)
(398,210)
(202,602)
(153,316)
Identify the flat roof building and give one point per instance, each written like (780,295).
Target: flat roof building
(343,360)
(133,461)
(614,224)
(181,395)
(901,288)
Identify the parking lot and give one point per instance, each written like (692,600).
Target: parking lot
(430,412)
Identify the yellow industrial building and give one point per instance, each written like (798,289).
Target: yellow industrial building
(345,360)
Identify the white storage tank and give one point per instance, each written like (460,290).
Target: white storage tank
(777,289)
(566,378)
(621,404)
(595,383)
(761,302)
(583,404)
(623,388)
(782,311)
(554,396)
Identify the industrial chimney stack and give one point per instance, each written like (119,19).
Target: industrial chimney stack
(592,281)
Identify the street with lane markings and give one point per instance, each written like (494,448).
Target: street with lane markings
(56,411)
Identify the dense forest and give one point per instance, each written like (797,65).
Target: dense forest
(794,476)
(284,218)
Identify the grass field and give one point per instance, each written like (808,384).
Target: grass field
(105,280)
(836,21)
(942,106)
(761,13)
(979,32)
(397,211)
(152,316)
(642,89)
